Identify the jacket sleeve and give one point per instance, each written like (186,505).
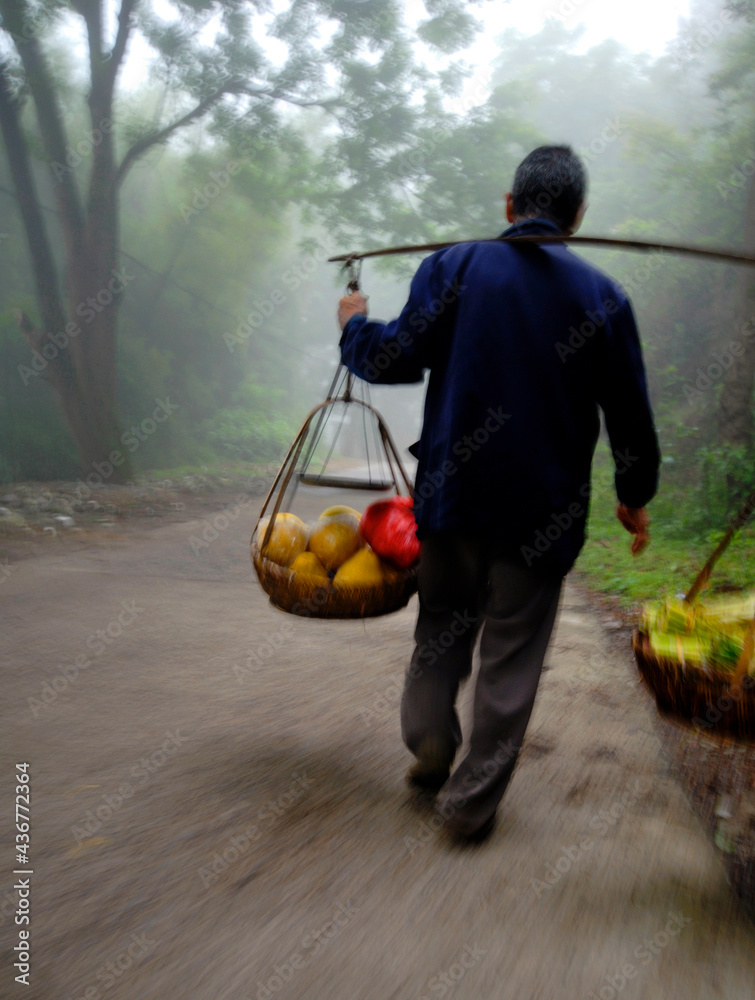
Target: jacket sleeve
(623,397)
(401,350)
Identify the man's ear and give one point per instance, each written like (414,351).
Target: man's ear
(509,199)
(577,219)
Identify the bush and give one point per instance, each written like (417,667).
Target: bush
(726,477)
(251,430)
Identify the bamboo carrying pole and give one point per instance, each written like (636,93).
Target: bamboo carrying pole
(725,256)
(743,516)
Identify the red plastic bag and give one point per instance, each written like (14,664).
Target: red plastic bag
(389,527)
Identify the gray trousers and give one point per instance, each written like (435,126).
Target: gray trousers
(466,587)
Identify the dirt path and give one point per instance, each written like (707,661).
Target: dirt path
(218,809)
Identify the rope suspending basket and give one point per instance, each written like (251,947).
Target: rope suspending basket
(698,658)
(298,564)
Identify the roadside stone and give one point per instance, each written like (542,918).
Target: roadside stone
(11,522)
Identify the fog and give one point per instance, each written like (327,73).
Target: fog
(219,810)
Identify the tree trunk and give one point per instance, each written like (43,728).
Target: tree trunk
(74,348)
(735,416)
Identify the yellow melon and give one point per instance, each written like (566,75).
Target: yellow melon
(287,541)
(334,541)
(344,515)
(339,509)
(362,570)
(308,566)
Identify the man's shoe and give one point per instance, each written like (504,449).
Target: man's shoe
(476,836)
(433,765)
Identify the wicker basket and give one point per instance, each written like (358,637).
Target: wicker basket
(301,597)
(712,701)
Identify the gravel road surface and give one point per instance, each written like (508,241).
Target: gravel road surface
(218,809)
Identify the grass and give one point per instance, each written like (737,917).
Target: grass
(671,562)
(667,567)
(216,468)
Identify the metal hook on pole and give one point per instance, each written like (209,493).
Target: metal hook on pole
(353,265)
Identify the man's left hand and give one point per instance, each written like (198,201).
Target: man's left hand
(637,523)
(349,306)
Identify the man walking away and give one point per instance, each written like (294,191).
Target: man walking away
(525,344)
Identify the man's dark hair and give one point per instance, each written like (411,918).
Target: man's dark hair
(550,183)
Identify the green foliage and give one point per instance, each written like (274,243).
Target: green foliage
(676,552)
(727,477)
(35,443)
(249,429)
(349,135)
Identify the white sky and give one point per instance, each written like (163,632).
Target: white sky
(642,25)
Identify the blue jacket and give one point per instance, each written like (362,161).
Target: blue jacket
(524,345)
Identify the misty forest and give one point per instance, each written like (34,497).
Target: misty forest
(282,735)
(165,293)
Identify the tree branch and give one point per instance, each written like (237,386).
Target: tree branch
(331,102)
(119,46)
(141,146)
(92,14)
(155,138)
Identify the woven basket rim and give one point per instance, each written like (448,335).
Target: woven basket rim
(711,704)
(711,675)
(327,601)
